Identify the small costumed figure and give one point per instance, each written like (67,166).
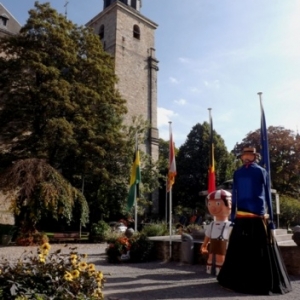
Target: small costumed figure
(217,232)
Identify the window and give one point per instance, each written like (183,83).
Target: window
(136,32)
(3,20)
(101,32)
(133,3)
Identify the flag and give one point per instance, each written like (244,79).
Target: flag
(211,166)
(135,179)
(264,144)
(172,163)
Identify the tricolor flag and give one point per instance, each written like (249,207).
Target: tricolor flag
(135,179)
(264,144)
(172,163)
(211,166)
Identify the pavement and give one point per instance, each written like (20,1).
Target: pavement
(170,280)
(155,280)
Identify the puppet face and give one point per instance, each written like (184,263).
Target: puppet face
(248,157)
(218,209)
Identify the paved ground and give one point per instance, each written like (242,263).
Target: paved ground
(156,280)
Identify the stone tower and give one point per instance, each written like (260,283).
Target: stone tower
(129,37)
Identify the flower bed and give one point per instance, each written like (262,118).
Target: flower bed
(45,276)
(137,248)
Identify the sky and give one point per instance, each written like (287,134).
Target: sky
(215,54)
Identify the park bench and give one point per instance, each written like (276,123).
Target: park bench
(68,236)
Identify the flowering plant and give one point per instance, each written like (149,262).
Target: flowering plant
(137,248)
(48,276)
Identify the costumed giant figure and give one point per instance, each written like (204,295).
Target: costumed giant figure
(253,262)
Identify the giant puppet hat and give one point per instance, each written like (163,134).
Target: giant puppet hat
(249,150)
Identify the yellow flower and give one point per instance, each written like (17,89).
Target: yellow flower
(82,266)
(45,247)
(91,267)
(98,293)
(75,273)
(73,257)
(68,276)
(42,258)
(84,255)
(99,275)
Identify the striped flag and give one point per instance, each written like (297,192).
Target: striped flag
(135,179)
(211,167)
(172,163)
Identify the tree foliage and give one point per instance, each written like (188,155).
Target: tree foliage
(59,103)
(37,190)
(284,151)
(192,166)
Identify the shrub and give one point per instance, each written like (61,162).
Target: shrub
(99,231)
(137,248)
(31,238)
(155,229)
(141,249)
(47,276)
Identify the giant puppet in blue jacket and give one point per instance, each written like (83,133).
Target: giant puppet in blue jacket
(253,263)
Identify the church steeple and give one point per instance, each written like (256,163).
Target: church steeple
(136,4)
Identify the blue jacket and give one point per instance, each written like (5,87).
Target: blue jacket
(251,191)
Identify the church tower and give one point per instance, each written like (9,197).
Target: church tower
(130,37)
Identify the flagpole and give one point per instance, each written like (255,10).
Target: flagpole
(170,204)
(135,192)
(166,200)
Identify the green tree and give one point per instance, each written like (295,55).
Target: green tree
(192,166)
(41,191)
(284,151)
(59,103)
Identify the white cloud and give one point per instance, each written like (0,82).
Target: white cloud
(195,90)
(215,84)
(180,102)
(173,80)
(164,116)
(184,60)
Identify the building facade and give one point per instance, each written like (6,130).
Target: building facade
(130,38)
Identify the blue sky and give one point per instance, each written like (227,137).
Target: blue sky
(215,54)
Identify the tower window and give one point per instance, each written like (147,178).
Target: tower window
(133,3)
(3,20)
(136,32)
(101,32)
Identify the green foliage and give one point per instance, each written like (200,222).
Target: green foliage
(59,103)
(141,248)
(289,211)
(155,229)
(100,231)
(49,276)
(284,148)
(36,189)
(192,166)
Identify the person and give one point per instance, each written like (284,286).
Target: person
(217,232)
(253,263)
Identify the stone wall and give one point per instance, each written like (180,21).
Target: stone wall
(291,258)
(290,255)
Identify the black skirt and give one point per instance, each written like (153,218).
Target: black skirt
(253,263)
